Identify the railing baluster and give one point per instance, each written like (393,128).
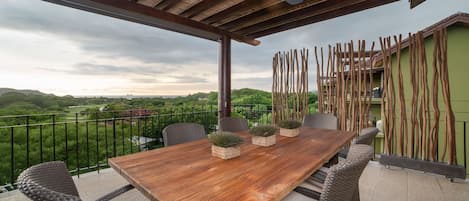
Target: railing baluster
(114,141)
(12,155)
(66,143)
(40,144)
(131,133)
(87,145)
(123,136)
(97,141)
(76,145)
(105,138)
(138,133)
(53,136)
(144,134)
(27,141)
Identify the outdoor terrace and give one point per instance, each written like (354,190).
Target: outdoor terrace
(376,183)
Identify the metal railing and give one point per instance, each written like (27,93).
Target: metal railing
(84,141)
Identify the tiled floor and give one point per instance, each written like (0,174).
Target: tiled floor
(376,184)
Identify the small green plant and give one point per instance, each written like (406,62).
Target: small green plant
(289,124)
(225,139)
(263,131)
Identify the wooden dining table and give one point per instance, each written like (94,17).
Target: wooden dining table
(189,172)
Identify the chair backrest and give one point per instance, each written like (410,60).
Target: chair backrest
(325,121)
(231,124)
(49,181)
(179,133)
(342,179)
(366,136)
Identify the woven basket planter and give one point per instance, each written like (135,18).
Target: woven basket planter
(264,141)
(289,132)
(226,152)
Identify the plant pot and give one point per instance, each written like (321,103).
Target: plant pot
(226,152)
(289,132)
(264,141)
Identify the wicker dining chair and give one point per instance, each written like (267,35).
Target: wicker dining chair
(179,133)
(324,121)
(365,136)
(51,181)
(342,180)
(232,124)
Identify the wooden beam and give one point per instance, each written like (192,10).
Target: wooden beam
(224,78)
(267,13)
(240,10)
(142,14)
(337,13)
(197,8)
(325,7)
(166,4)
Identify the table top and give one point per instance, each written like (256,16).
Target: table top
(189,172)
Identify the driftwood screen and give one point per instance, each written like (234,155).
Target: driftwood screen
(414,132)
(290,85)
(344,80)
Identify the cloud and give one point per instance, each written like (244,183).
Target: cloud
(167,57)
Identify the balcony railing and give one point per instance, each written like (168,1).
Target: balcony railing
(86,140)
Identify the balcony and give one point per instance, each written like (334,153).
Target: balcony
(126,132)
(376,183)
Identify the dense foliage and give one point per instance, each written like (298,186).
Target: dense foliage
(84,132)
(225,139)
(263,131)
(289,124)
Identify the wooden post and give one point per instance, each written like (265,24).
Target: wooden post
(224,78)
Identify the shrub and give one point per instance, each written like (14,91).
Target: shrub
(263,131)
(225,139)
(289,124)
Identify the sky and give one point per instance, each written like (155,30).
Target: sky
(65,51)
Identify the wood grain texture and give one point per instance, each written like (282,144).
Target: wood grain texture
(189,172)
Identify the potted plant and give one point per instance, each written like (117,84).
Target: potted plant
(225,145)
(263,135)
(289,128)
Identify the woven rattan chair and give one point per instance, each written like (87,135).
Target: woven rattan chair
(51,181)
(182,132)
(231,124)
(366,136)
(341,183)
(324,121)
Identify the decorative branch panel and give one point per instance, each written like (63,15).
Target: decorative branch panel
(421,139)
(345,80)
(290,85)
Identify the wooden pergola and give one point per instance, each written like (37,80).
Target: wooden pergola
(223,20)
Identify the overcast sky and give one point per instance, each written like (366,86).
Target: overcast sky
(61,50)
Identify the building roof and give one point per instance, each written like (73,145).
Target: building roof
(241,20)
(457,18)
